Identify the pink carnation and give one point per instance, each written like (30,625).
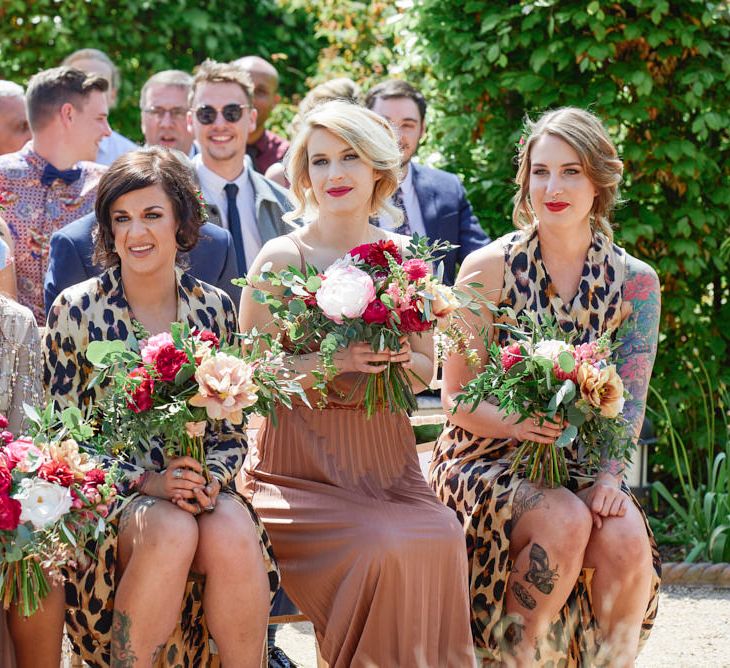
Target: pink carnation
(415,269)
(154,344)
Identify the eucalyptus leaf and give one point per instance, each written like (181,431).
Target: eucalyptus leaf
(566,361)
(97,352)
(567,437)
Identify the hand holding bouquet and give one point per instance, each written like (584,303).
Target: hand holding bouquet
(53,498)
(372,295)
(543,377)
(180,380)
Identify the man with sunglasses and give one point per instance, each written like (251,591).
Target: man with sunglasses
(164,106)
(221,117)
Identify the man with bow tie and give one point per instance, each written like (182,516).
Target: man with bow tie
(52,180)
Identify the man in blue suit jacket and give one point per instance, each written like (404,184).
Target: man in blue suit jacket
(433,201)
(213,259)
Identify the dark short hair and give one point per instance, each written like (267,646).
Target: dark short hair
(396,88)
(151,166)
(50,89)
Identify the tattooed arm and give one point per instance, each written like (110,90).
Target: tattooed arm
(637,349)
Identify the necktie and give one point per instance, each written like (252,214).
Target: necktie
(234,226)
(50,174)
(397,201)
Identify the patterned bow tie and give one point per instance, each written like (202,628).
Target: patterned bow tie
(50,174)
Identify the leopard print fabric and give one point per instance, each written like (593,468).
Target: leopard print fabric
(97,310)
(471,474)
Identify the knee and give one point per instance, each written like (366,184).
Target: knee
(621,547)
(572,524)
(228,539)
(171,531)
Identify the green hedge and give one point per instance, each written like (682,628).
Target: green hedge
(657,73)
(145,36)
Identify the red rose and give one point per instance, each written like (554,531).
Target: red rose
(510,355)
(206,336)
(140,399)
(410,321)
(6,480)
(56,472)
(374,254)
(168,362)
(9,513)
(415,269)
(376,312)
(3,422)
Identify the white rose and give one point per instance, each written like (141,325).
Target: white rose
(551,348)
(42,502)
(345,292)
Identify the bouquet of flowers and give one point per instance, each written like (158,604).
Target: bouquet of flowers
(53,498)
(543,374)
(371,295)
(179,380)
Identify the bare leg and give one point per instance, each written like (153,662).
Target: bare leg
(157,543)
(550,530)
(236,599)
(621,555)
(37,639)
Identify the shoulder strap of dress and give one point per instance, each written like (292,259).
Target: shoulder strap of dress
(300,250)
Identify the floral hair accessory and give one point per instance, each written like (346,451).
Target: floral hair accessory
(203,206)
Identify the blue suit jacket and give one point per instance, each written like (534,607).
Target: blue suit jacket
(447,215)
(213,259)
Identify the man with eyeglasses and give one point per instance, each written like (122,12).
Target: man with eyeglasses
(221,117)
(164,106)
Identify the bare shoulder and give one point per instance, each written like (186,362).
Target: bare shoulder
(485,266)
(281,252)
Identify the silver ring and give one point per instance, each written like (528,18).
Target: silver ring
(177,474)
(209,509)
(535,421)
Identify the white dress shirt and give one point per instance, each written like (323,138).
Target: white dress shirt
(213,186)
(111,147)
(413,208)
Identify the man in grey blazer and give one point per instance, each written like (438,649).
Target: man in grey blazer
(221,116)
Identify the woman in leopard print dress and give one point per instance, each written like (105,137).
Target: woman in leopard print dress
(559,577)
(167,523)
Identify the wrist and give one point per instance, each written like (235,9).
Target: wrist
(615,479)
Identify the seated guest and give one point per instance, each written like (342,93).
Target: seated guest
(433,202)
(49,183)
(70,259)
(167,521)
(366,550)
(36,640)
(556,573)
(94,61)
(164,106)
(341,88)
(14,128)
(263,146)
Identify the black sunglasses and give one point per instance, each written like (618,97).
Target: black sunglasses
(231,113)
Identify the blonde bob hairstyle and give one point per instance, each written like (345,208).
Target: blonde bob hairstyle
(370,136)
(585,134)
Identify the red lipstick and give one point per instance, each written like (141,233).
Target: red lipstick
(338,192)
(556,207)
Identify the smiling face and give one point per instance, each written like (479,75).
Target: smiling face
(89,124)
(403,114)
(222,143)
(164,117)
(144,228)
(341,181)
(560,191)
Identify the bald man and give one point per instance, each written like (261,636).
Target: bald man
(14,128)
(264,147)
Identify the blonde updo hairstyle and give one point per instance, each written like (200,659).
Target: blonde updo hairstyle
(370,136)
(585,134)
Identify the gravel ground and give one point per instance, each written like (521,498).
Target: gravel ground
(692,631)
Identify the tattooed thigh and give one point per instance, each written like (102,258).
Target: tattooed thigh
(527,498)
(134,509)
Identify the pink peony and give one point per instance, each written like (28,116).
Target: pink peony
(23,454)
(140,399)
(154,344)
(345,292)
(225,387)
(376,313)
(10,510)
(510,355)
(415,269)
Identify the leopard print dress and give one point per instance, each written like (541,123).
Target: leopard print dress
(97,310)
(471,474)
